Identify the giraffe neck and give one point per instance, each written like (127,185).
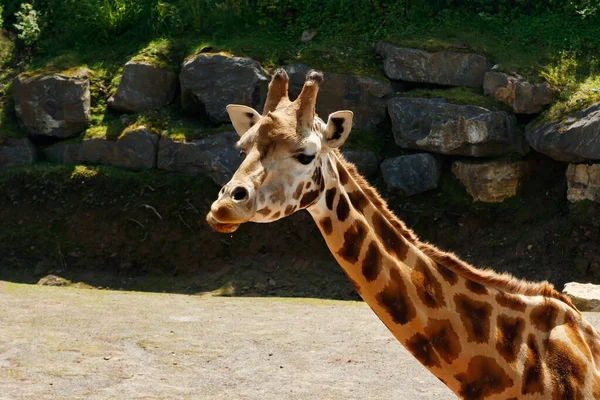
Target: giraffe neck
(476,339)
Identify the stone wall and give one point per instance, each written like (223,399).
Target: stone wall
(426,131)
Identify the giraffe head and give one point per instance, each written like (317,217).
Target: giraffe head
(283,151)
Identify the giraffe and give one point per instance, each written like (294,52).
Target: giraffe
(484,335)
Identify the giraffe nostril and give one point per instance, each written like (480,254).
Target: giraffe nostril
(239,193)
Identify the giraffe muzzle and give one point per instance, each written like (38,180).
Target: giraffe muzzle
(236,204)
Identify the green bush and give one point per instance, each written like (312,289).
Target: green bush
(81,22)
(27,24)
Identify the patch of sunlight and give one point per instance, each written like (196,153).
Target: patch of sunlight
(83,171)
(579,85)
(157,53)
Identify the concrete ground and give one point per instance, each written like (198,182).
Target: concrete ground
(66,343)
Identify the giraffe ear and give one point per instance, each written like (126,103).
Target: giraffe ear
(338,128)
(242,117)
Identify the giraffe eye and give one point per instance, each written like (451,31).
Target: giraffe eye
(242,154)
(304,158)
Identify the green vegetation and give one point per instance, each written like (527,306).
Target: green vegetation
(27,24)
(555,40)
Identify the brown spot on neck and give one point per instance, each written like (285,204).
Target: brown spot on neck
(330,197)
(511,301)
(444,339)
(326,225)
(395,301)
(421,348)
(475,316)
(543,317)
(428,288)
(371,266)
(359,200)
(483,378)
(343,208)
(353,241)
(510,336)
(448,275)
(533,372)
(342,173)
(476,287)
(391,239)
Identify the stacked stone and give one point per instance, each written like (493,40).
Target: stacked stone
(475,135)
(478,140)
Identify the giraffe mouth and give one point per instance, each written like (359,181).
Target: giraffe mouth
(220,227)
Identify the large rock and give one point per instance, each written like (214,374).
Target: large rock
(214,156)
(55,104)
(143,87)
(442,68)
(365,97)
(583,182)
(135,149)
(366,162)
(574,138)
(53,280)
(585,296)
(490,182)
(16,152)
(523,97)
(412,174)
(441,127)
(209,82)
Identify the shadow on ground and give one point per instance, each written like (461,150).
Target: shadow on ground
(145,231)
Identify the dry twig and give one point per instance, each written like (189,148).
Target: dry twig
(149,207)
(136,221)
(187,226)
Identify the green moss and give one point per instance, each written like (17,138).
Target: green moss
(159,54)
(458,95)
(50,69)
(171,122)
(575,96)
(363,140)
(7,48)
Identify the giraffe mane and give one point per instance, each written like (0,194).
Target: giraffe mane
(501,281)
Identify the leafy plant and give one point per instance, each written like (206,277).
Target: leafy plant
(27,24)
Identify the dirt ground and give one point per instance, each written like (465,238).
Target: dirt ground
(67,343)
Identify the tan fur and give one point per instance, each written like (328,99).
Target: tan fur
(487,277)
